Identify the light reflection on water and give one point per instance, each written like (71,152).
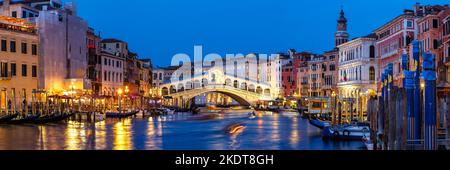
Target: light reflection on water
(268,131)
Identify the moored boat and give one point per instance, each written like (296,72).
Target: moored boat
(7,118)
(319,123)
(51,118)
(120,115)
(289,112)
(349,132)
(23,119)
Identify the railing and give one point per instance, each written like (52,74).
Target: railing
(221,86)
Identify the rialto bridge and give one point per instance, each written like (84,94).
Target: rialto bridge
(244,91)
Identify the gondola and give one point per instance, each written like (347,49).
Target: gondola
(51,118)
(7,118)
(27,119)
(120,115)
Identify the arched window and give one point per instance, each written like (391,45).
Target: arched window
(372,51)
(372,73)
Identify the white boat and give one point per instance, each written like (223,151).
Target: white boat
(349,132)
(319,123)
(169,111)
(289,113)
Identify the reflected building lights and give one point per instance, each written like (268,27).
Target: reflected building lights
(122,138)
(294,138)
(100,135)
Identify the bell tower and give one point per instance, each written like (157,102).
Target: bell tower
(341,35)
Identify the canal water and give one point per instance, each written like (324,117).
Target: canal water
(268,131)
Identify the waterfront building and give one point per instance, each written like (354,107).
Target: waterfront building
(433,35)
(62,36)
(330,73)
(288,84)
(112,69)
(18,63)
(393,40)
(94,72)
(358,66)
(145,78)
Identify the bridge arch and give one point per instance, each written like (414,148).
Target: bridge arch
(236,84)
(188,85)
(242,101)
(204,82)
(228,82)
(197,84)
(164,91)
(252,88)
(180,87)
(173,89)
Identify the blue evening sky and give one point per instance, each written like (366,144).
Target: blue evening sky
(161,28)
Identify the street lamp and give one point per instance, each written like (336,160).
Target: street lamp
(120,92)
(126,95)
(334,106)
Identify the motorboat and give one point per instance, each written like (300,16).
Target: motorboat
(235,128)
(252,115)
(320,123)
(289,112)
(346,132)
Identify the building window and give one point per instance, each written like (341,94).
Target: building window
(332,67)
(372,73)
(13,69)
(24,70)
(3,69)
(372,51)
(24,48)
(105,61)
(4,48)
(34,49)
(14,14)
(435,44)
(24,14)
(13,46)
(117,45)
(409,24)
(33,71)
(104,76)
(435,23)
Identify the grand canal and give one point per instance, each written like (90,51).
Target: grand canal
(268,131)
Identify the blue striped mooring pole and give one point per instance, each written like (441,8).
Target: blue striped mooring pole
(417,90)
(429,75)
(409,86)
